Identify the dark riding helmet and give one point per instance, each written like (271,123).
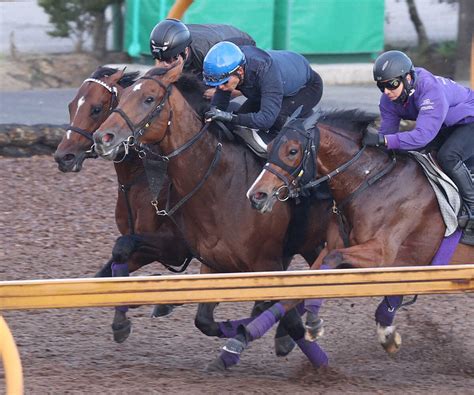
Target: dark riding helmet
(168,39)
(392,64)
(396,65)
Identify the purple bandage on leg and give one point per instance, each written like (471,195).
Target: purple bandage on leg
(383,315)
(314,353)
(229,328)
(313,305)
(262,324)
(446,249)
(120,269)
(229,359)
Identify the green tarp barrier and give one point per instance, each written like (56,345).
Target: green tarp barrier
(310,27)
(329,26)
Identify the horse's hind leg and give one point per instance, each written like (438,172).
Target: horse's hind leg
(284,344)
(387,333)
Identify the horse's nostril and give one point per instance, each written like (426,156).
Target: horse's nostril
(108,137)
(259,196)
(68,158)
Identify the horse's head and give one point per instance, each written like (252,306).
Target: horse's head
(294,155)
(94,101)
(291,159)
(138,118)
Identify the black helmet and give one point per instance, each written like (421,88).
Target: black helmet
(168,39)
(392,64)
(395,64)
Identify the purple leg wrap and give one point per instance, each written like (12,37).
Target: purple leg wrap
(314,353)
(261,324)
(313,305)
(229,328)
(383,315)
(120,270)
(446,249)
(229,359)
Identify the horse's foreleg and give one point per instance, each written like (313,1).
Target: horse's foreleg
(121,325)
(373,253)
(230,354)
(387,333)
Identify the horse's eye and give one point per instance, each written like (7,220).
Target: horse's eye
(149,100)
(96,110)
(293,151)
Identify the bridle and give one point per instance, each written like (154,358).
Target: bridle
(300,178)
(113,103)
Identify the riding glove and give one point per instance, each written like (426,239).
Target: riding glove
(373,138)
(215,114)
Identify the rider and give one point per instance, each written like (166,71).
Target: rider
(171,40)
(275,83)
(440,107)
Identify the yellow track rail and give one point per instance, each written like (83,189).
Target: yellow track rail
(45,294)
(11,360)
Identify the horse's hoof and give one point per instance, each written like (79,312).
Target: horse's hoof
(314,330)
(217,365)
(160,310)
(122,331)
(284,345)
(389,338)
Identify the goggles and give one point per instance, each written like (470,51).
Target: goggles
(390,84)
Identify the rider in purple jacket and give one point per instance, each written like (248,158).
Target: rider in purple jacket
(441,108)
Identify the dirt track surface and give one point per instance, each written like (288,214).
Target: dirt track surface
(55,225)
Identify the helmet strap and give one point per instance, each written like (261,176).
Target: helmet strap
(407,91)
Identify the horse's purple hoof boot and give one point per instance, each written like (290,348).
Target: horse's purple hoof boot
(122,331)
(284,345)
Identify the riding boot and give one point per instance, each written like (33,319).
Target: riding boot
(462,178)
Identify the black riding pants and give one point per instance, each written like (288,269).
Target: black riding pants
(457,146)
(308,97)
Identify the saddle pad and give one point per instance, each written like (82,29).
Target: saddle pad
(444,188)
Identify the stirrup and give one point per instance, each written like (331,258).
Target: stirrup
(252,139)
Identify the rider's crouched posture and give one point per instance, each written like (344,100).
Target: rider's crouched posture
(171,40)
(275,84)
(440,106)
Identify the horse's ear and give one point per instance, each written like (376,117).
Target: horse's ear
(115,77)
(174,72)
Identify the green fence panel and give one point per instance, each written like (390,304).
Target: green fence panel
(329,26)
(252,16)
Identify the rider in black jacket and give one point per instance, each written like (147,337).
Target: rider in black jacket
(171,40)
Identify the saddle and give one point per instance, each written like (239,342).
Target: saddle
(447,193)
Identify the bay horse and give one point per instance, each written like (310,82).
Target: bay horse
(154,238)
(386,206)
(210,175)
(146,237)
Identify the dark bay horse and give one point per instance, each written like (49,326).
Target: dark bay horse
(146,237)
(211,175)
(386,205)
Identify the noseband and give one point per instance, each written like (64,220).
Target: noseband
(301,172)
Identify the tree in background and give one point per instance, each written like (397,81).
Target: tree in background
(78,19)
(465,36)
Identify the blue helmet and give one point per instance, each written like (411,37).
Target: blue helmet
(220,62)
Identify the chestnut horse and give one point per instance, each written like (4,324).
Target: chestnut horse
(386,206)
(210,175)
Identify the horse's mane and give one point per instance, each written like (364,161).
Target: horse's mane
(190,87)
(126,80)
(351,120)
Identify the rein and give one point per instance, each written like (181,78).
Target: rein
(145,152)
